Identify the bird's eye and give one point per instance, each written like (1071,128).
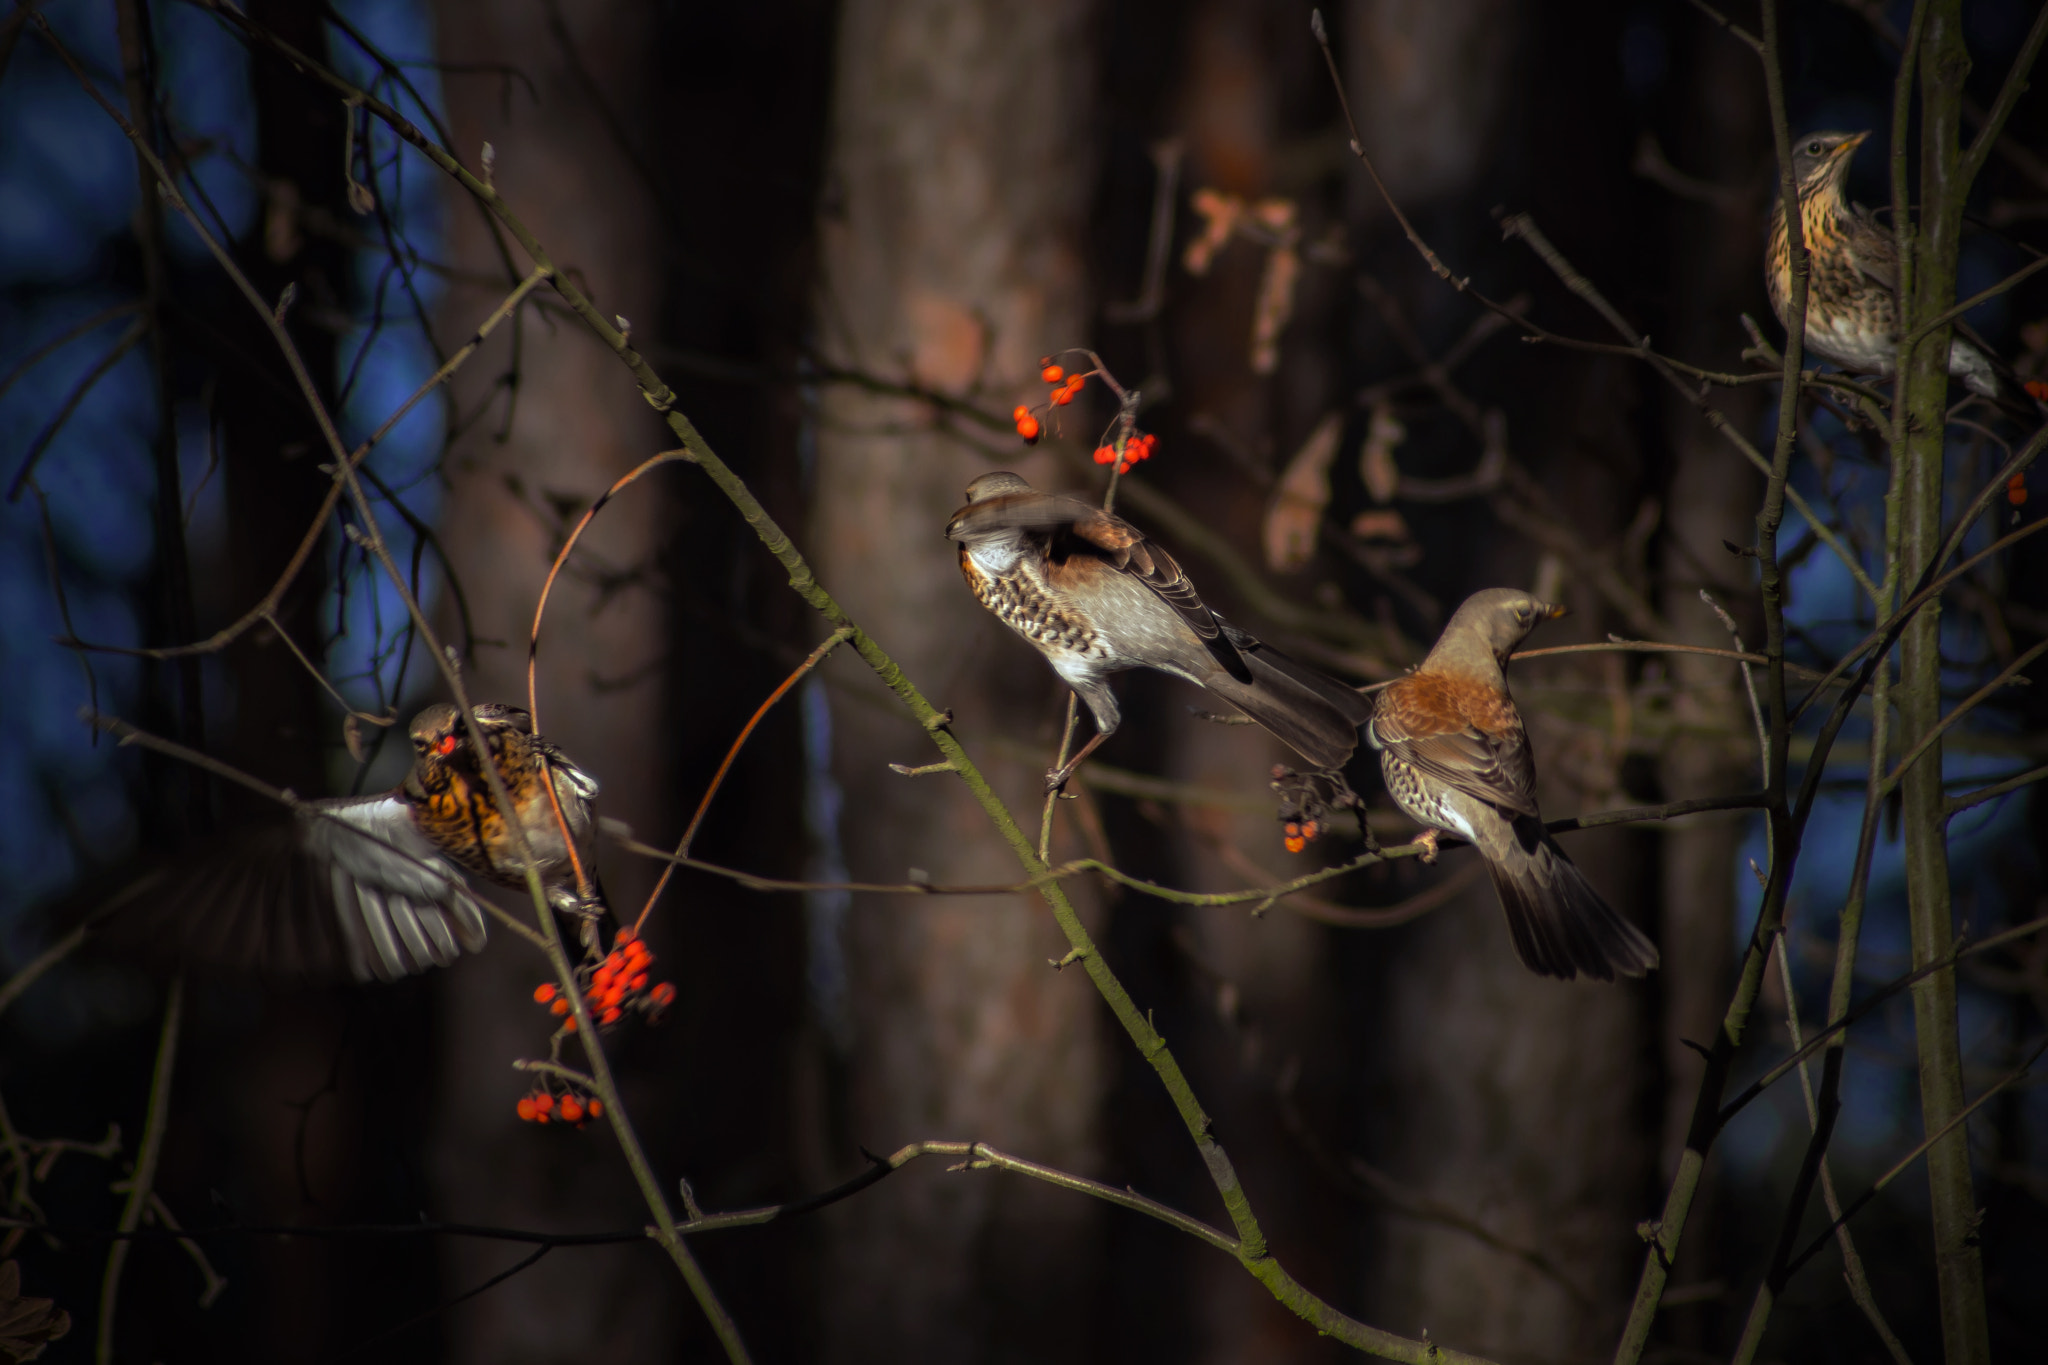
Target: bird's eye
(1813,149)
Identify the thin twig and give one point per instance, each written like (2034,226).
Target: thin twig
(142,1182)
(811,661)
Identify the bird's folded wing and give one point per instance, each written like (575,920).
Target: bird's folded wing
(342,889)
(1495,768)
(1873,250)
(1126,547)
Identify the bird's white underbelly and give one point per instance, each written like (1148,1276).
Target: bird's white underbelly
(1855,349)
(1866,352)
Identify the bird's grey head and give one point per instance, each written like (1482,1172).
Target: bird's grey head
(969,529)
(436,730)
(996,485)
(1496,620)
(1820,159)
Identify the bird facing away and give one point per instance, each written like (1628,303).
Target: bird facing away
(375,887)
(1853,268)
(1457,760)
(1095,597)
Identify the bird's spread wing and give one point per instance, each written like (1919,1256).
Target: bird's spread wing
(1461,735)
(401,906)
(342,889)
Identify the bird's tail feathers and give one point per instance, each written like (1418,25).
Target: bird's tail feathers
(1302,708)
(1561,926)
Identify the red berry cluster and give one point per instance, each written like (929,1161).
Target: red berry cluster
(2016,489)
(1296,834)
(1138,447)
(619,983)
(543,1106)
(1064,387)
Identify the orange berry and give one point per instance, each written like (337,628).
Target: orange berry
(1075,381)
(2037,390)
(2016,490)
(544,992)
(603,974)
(561,1005)
(611,1016)
(1062,397)
(663,995)
(1019,413)
(543,1102)
(596,1107)
(526,1109)
(572,1112)
(1027,427)
(569,1024)
(1052,374)
(1295,843)
(625,935)
(638,983)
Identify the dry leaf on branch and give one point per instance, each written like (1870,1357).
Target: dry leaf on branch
(1275,306)
(1380,523)
(26,1325)
(1376,457)
(1220,215)
(1298,503)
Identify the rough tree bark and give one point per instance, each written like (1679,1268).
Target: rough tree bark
(954,210)
(580,423)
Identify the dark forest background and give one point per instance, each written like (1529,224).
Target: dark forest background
(845,234)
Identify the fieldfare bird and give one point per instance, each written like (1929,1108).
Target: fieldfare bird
(1457,760)
(1095,597)
(375,887)
(1851,313)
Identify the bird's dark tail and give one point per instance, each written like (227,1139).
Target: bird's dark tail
(1560,924)
(1313,714)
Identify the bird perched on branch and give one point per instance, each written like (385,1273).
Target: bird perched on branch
(1095,597)
(1853,268)
(1457,760)
(376,887)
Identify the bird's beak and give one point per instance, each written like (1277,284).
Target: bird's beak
(1551,613)
(1855,141)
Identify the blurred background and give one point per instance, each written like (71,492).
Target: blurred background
(846,234)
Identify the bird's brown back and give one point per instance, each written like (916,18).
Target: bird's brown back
(1424,704)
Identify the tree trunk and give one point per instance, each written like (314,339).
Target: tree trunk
(579,424)
(1510,1098)
(954,215)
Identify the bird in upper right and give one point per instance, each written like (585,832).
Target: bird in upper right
(1853,267)
(1457,760)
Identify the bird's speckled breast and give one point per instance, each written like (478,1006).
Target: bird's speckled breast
(1024,603)
(1850,319)
(454,808)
